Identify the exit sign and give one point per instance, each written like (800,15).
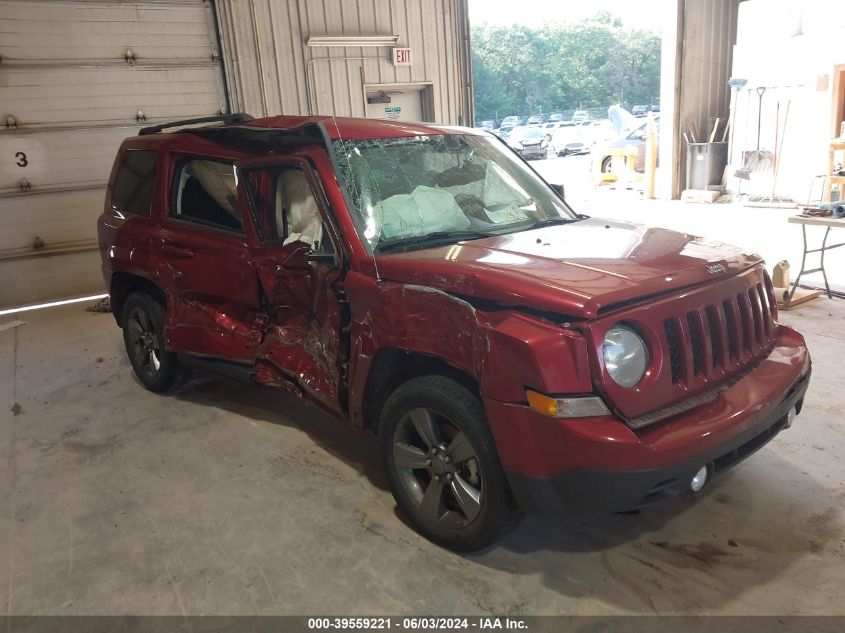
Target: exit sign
(401,56)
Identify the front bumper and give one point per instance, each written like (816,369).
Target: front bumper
(572,148)
(600,464)
(533,152)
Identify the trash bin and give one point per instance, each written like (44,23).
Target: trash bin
(705,165)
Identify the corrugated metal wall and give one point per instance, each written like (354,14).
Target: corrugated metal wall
(705,36)
(272,71)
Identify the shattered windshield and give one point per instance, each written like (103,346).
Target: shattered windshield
(407,190)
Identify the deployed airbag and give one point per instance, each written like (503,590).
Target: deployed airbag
(425,210)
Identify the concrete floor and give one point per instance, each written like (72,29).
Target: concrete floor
(226,499)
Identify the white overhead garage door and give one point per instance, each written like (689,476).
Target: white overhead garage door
(75,79)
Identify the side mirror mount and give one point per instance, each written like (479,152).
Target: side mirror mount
(320,258)
(299,258)
(296,259)
(558,189)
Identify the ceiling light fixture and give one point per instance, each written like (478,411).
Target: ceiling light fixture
(352,40)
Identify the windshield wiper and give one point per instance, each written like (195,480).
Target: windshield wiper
(435,236)
(553,221)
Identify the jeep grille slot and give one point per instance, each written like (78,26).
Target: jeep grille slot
(746,320)
(697,341)
(732,323)
(767,310)
(717,338)
(756,313)
(770,296)
(673,340)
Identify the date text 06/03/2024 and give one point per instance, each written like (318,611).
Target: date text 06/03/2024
(418,624)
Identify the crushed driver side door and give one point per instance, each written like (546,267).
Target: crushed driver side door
(299,267)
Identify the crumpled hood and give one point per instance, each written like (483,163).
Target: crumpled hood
(575,269)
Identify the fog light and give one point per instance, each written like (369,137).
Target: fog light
(698,481)
(790,416)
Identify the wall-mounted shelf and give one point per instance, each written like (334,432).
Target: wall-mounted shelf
(837,144)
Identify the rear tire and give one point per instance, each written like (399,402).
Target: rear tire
(606,164)
(442,464)
(143,335)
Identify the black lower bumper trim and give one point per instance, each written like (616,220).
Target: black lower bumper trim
(619,491)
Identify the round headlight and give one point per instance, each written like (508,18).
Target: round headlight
(625,355)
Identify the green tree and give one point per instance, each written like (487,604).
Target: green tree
(490,100)
(519,70)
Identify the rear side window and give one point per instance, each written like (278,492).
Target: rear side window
(133,187)
(205,192)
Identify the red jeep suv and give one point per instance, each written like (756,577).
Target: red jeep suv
(425,283)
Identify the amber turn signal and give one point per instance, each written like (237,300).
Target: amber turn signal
(580,407)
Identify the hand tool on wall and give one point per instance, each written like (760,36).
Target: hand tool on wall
(735,84)
(756,160)
(779,144)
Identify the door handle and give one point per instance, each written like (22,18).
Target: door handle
(176,252)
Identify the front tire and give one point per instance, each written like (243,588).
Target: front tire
(442,464)
(143,335)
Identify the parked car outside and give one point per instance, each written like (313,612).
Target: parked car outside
(551,127)
(530,142)
(580,115)
(488,125)
(655,107)
(597,132)
(503,132)
(569,139)
(535,119)
(555,117)
(510,121)
(423,283)
(636,138)
(639,110)
(515,135)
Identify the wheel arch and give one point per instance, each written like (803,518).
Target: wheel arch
(124,284)
(392,367)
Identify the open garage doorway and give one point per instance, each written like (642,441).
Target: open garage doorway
(565,71)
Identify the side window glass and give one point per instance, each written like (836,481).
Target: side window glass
(205,192)
(133,186)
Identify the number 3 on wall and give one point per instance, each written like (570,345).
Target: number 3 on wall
(22,161)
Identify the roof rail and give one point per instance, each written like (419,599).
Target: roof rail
(236,117)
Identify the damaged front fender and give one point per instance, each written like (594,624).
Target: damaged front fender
(503,351)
